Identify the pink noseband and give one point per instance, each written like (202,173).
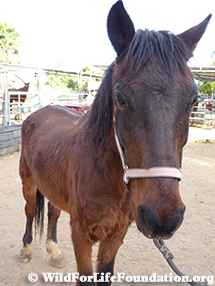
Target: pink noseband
(154,172)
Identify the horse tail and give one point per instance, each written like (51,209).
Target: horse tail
(39,215)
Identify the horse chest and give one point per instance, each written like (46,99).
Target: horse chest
(104,216)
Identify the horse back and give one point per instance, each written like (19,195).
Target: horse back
(48,122)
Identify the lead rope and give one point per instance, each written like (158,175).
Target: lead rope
(159,243)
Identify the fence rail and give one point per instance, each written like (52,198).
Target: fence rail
(13,109)
(203,116)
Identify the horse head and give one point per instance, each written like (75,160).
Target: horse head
(26,87)
(154,92)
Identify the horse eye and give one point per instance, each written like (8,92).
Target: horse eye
(121,101)
(195,100)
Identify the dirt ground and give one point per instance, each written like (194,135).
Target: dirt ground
(193,245)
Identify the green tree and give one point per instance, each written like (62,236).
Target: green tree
(9,44)
(60,81)
(207,87)
(213,59)
(93,70)
(72,83)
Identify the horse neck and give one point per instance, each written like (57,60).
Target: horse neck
(105,154)
(110,147)
(108,159)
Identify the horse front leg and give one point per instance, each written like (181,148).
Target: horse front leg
(108,249)
(51,243)
(83,255)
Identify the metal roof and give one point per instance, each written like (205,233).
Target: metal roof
(200,73)
(204,73)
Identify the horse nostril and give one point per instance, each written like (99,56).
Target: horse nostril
(152,226)
(182,211)
(147,219)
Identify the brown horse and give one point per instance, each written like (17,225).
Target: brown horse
(73,159)
(15,97)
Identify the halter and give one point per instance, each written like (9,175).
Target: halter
(154,172)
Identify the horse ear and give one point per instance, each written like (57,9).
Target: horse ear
(120,27)
(192,36)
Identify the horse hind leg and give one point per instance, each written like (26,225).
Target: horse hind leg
(34,208)
(51,244)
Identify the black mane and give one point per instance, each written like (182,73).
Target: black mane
(101,113)
(145,45)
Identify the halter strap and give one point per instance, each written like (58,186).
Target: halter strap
(154,172)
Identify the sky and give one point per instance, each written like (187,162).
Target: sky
(73,32)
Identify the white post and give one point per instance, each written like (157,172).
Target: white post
(89,98)
(41,101)
(6,99)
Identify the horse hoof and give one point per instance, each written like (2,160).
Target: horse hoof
(24,257)
(25,254)
(58,263)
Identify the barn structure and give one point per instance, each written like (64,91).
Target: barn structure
(17,103)
(23,91)
(204,112)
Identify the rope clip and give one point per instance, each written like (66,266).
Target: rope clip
(163,248)
(125,178)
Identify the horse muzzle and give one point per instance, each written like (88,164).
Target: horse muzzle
(152,227)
